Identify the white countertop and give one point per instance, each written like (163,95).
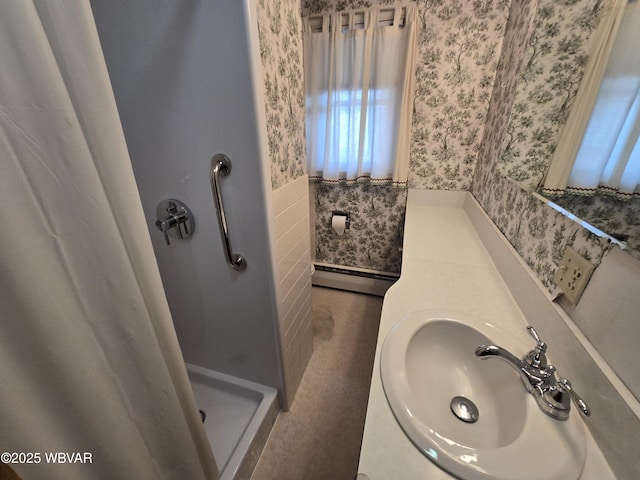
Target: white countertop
(444,265)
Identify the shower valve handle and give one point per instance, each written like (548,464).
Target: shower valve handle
(166,224)
(174,219)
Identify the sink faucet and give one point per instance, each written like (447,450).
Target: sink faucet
(539,378)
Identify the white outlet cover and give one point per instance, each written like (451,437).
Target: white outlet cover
(573,274)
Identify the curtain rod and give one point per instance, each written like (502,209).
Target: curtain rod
(385,17)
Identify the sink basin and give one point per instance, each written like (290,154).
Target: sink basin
(428,359)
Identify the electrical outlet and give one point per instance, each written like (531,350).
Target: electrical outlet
(572,274)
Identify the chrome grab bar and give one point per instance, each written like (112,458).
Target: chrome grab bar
(221,165)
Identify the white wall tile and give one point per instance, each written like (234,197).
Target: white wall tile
(296,314)
(293,255)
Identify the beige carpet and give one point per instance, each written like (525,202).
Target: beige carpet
(320,437)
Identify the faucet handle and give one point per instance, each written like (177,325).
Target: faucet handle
(533,333)
(565,385)
(536,357)
(174,219)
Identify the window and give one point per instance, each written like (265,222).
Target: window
(609,157)
(359,82)
(346,115)
(599,150)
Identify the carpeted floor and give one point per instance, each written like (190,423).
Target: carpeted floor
(320,437)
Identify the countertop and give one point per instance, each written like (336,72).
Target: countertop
(445,265)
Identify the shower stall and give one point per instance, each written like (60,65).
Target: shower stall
(186,81)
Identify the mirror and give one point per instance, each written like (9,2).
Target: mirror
(549,79)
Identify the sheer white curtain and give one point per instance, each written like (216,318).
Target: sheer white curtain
(359,79)
(609,157)
(598,149)
(89,360)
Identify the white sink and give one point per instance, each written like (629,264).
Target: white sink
(428,358)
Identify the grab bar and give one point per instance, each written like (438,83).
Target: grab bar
(221,165)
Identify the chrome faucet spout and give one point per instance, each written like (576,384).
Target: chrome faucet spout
(496,351)
(531,378)
(539,378)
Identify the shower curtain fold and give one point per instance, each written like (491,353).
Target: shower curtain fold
(89,359)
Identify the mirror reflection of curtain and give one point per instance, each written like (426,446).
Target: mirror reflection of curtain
(598,147)
(89,359)
(359,81)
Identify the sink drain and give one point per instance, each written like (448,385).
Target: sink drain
(464,409)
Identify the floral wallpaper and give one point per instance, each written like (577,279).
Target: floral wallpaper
(280,30)
(549,79)
(514,48)
(374,238)
(459,46)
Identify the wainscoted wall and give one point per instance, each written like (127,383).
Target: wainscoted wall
(293,271)
(280,30)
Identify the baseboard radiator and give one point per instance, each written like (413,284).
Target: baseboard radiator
(361,280)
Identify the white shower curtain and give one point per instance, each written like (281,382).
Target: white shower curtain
(89,360)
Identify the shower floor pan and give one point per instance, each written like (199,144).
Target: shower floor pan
(239,418)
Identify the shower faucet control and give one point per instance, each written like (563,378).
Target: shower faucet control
(174,219)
